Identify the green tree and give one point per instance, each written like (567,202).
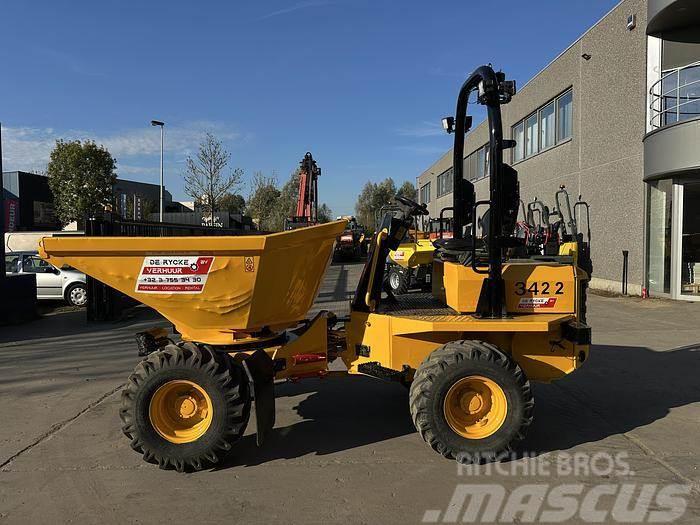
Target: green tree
(287,203)
(232,203)
(263,201)
(81,177)
(205,177)
(371,199)
(408,190)
(325,214)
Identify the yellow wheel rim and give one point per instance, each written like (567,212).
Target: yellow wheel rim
(180,411)
(475,407)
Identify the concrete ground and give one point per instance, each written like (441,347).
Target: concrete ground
(345,450)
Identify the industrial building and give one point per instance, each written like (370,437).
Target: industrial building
(29,202)
(616,119)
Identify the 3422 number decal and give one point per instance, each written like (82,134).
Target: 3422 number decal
(542,288)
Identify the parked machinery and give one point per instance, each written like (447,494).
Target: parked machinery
(544,232)
(350,244)
(439,228)
(307,199)
(409,266)
(470,349)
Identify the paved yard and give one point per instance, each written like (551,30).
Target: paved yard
(343,450)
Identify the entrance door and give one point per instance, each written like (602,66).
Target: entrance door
(689,270)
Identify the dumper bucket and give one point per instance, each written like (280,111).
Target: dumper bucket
(215,290)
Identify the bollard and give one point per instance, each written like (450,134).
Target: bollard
(625,266)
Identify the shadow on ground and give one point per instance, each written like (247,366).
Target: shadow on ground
(622,388)
(70,323)
(339,414)
(619,390)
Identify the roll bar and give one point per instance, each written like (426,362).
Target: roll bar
(563,204)
(493,91)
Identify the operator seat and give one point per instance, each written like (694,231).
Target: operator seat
(459,250)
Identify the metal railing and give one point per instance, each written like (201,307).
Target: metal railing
(676,96)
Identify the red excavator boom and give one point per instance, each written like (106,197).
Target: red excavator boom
(307,201)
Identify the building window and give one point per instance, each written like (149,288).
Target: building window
(445,183)
(519,137)
(550,125)
(425,193)
(476,164)
(480,163)
(531,135)
(470,167)
(565,107)
(547,134)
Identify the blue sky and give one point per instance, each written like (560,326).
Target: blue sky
(362,84)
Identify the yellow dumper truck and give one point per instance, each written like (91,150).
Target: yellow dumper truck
(469,348)
(409,266)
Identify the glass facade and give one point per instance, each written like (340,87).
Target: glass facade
(672,220)
(659,236)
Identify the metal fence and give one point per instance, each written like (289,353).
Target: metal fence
(113,226)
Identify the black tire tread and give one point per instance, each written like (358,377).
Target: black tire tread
(450,354)
(403,281)
(228,376)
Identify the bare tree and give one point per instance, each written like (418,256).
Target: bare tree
(205,178)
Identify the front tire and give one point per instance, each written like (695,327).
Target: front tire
(471,402)
(398,280)
(185,406)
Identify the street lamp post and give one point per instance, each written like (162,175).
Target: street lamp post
(2,209)
(161,125)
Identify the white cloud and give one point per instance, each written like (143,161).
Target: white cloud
(422,150)
(124,170)
(27,148)
(427,128)
(297,7)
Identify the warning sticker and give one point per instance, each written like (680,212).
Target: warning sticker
(174,274)
(537,302)
(399,255)
(248,264)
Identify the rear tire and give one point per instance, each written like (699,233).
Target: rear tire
(487,377)
(220,387)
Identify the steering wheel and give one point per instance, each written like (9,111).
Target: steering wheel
(413,207)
